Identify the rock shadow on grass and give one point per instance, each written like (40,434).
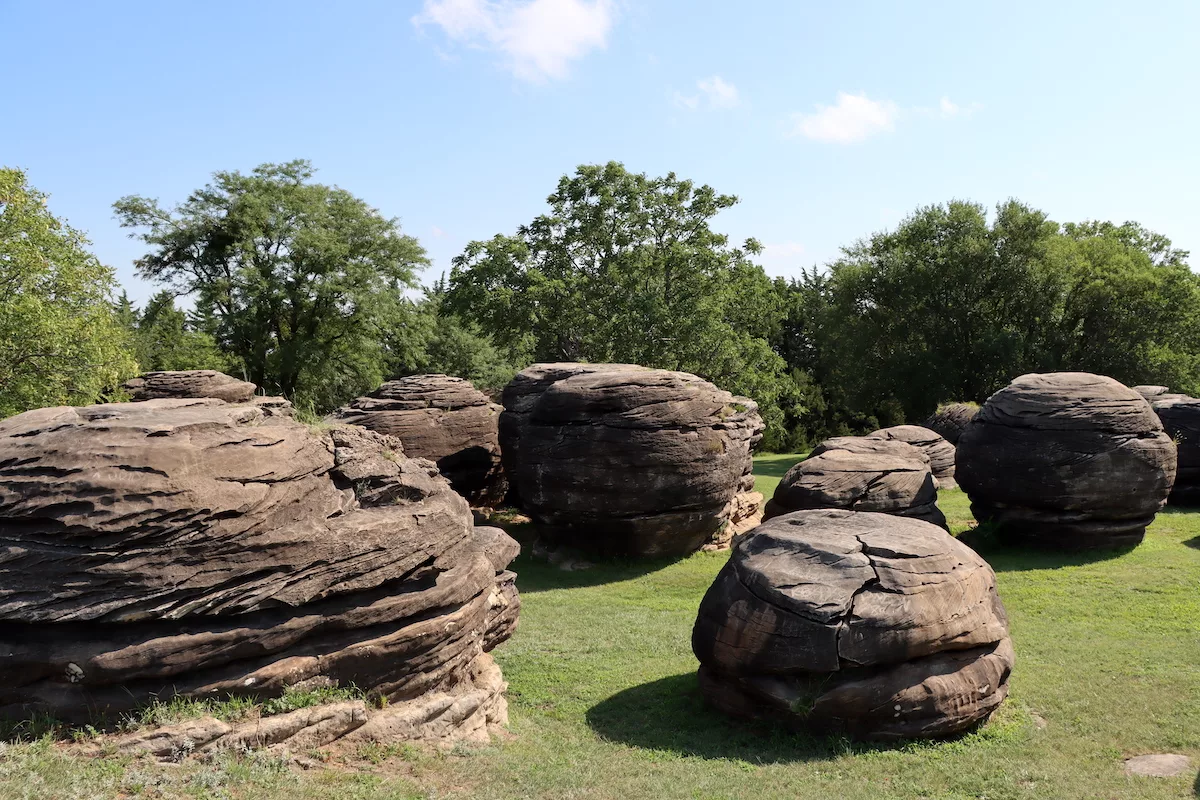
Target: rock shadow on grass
(1012,557)
(670,714)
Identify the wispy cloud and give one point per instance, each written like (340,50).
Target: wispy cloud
(714,93)
(782,258)
(537,39)
(437,232)
(853,118)
(856,117)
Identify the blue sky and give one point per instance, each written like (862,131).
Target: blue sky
(829,121)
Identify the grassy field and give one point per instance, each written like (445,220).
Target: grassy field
(604,702)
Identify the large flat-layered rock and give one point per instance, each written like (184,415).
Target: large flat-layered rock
(939,451)
(621,459)
(190,383)
(858,473)
(867,624)
(1067,460)
(200,548)
(951,419)
(443,419)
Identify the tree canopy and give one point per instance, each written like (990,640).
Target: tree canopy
(625,267)
(302,283)
(60,339)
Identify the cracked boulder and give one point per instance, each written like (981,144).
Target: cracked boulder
(939,451)
(1067,460)
(865,624)
(203,549)
(951,419)
(857,473)
(1180,416)
(190,383)
(444,419)
(618,459)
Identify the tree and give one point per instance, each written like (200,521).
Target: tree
(301,282)
(163,338)
(625,267)
(60,339)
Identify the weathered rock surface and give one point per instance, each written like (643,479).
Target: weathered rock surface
(950,420)
(199,548)
(1067,460)
(1155,393)
(192,383)
(1180,416)
(940,451)
(1158,765)
(868,624)
(857,473)
(444,419)
(619,459)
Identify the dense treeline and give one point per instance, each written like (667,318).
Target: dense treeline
(311,293)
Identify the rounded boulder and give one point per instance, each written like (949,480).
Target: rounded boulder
(865,624)
(1067,460)
(617,459)
(939,451)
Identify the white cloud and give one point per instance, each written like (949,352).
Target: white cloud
(853,118)
(538,39)
(715,91)
(719,93)
(948,109)
(782,258)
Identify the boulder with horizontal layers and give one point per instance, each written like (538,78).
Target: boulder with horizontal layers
(444,419)
(618,459)
(951,419)
(198,548)
(939,451)
(1067,460)
(866,624)
(857,473)
(190,383)
(1180,416)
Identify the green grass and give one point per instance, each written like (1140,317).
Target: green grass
(604,702)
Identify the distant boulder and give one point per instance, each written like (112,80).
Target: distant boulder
(951,419)
(857,473)
(1180,416)
(865,624)
(940,451)
(444,419)
(188,384)
(618,459)
(1067,460)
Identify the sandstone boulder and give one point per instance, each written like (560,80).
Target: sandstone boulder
(191,383)
(444,419)
(866,624)
(1067,460)
(200,548)
(951,419)
(861,474)
(618,459)
(940,451)
(1180,416)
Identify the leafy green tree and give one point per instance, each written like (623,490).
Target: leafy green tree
(164,339)
(302,283)
(625,267)
(61,341)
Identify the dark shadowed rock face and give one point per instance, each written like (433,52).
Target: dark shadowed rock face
(857,473)
(620,459)
(201,548)
(940,452)
(1067,460)
(192,383)
(444,419)
(868,624)
(950,420)
(1180,416)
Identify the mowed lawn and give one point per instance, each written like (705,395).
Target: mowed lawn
(604,702)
